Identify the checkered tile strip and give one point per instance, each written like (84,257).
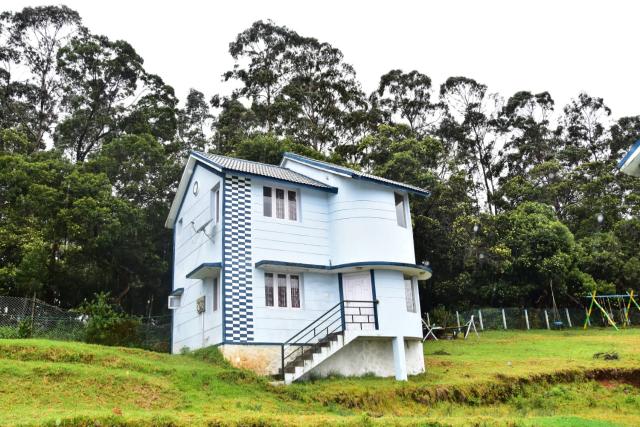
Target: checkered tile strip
(238,316)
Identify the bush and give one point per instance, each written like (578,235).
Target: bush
(9,332)
(107,325)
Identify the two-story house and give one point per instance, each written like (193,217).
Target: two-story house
(306,268)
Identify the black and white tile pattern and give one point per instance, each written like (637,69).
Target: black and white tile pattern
(238,315)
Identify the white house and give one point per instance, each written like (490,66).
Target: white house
(306,268)
(630,163)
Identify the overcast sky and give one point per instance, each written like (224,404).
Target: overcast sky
(563,47)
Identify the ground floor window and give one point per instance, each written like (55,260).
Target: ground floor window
(282,290)
(409,294)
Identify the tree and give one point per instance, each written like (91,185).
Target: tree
(470,123)
(35,35)
(98,76)
(194,124)
(409,96)
(524,121)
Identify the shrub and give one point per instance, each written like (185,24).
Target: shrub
(107,325)
(25,328)
(8,332)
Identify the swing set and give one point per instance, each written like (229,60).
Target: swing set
(604,304)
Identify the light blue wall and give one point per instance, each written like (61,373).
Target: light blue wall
(273,324)
(191,329)
(362,220)
(303,241)
(393,317)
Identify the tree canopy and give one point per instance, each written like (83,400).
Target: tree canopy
(524,193)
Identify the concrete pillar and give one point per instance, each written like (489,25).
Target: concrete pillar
(399,358)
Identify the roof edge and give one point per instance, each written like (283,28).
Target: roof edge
(344,171)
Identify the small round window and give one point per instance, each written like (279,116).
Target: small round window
(195,188)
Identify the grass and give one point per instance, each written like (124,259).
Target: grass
(536,378)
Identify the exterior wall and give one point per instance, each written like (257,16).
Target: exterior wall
(303,241)
(371,356)
(393,317)
(362,220)
(274,324)
(191,249)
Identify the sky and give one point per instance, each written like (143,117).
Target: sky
(563,47)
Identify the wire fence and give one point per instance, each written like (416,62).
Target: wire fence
(530,318)
(30,317)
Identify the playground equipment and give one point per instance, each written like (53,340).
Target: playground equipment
(624,303)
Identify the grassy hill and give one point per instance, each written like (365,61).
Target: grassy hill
(504,378)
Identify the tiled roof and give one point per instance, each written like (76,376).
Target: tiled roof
(356,174)
(261,169)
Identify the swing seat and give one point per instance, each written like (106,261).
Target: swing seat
(558,324)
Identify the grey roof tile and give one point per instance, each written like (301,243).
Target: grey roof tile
(261,169)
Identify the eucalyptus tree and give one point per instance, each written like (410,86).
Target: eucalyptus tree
(31,40)
(322,97)
(107,92)
(470,125)
(408,95)
(261,53)
(585,124)
(296,86)
(529,139)
(195,122)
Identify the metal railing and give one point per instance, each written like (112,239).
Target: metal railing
(351,314)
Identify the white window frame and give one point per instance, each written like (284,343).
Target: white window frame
(215,301)
(404,209)
(276,294)
(214,204)
(286,203)
(412,288)
(174,302)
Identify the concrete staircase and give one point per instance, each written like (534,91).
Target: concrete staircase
(312,356)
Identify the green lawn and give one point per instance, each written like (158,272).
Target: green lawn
(544,378)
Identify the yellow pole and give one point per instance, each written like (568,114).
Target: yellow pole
(593,298)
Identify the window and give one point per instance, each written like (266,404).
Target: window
(409,294)
(268,289)
(174,302)
(266,201)
(215,294)
(284,292)
(293,206)
(215,205)
(283,206)
(294,281)
(400,210)
(279,203)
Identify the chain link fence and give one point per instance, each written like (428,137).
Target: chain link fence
(30,317)
(529,318)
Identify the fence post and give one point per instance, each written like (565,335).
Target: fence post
(480,318)
(546,319)
(504,319)
(428,321)
(458,318)
(33,310)
(566,310)
(526,318)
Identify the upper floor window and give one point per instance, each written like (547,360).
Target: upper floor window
(282,290)
(401,214)
(215,204)
(280,202)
